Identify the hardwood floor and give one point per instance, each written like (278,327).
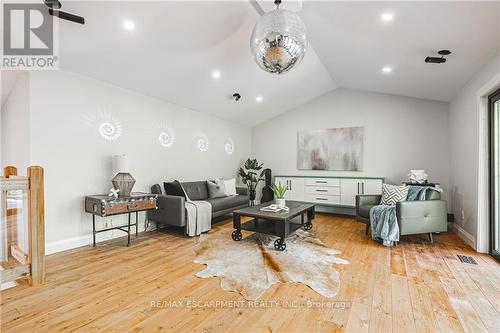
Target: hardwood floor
(414,287)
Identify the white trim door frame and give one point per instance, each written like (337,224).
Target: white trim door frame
(483,178)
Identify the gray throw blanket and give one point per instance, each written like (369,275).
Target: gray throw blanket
(384,223)
(419,192)
(198,216)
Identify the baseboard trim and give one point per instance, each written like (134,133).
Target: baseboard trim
(7,285)
(85,240)
(463,234)
(67,244)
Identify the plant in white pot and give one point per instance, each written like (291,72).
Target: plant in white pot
(279,193)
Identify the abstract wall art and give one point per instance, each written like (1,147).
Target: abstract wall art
(335,149)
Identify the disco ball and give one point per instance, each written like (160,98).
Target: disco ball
(279,41)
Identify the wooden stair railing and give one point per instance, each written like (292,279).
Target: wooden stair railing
(18,263)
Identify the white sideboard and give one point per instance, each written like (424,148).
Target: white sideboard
(329,191)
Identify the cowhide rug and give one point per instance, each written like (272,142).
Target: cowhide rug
(252,265)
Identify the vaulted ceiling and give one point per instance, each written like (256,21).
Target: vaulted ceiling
(176,46)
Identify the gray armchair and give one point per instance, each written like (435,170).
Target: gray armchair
(414,217)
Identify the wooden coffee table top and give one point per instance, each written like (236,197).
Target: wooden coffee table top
(295,209)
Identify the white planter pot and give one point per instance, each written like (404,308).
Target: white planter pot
(280,202)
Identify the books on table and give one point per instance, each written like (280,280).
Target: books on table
(275,208)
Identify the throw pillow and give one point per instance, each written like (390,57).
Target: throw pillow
(216,188)
(230,185)
(174,188)
(393,193)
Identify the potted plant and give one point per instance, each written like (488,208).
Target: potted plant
(279,192)
(250,176)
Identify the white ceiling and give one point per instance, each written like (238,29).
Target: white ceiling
(176,46)
(354,44)
(173,51)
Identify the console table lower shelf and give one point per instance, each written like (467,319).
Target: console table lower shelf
(121,227)
(278,224)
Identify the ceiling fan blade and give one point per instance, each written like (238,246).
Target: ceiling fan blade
(54,4)
(67,16)
(257,7)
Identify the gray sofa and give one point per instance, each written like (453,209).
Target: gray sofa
(171,209)
(414,217)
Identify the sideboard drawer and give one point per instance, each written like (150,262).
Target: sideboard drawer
(323,199)
(322,182)
(332,190)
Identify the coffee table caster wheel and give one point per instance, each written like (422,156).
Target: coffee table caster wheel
(236,235)
(308,226)
(280,244)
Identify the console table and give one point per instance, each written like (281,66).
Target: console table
(103,205)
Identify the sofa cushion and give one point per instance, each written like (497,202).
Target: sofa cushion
(391,194)
(230,185)
(216,188)
(219,204)
(432,195)
(156,189)
(174,188)
(196,190)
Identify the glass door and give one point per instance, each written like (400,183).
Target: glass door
(495,174)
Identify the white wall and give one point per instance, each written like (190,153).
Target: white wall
(400,134)
(66,111)
(15,139)
(464,148)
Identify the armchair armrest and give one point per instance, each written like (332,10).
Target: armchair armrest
(418,217)
(368,200)
(171,210)
(241,190)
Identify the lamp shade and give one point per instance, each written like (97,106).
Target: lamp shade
(120,164)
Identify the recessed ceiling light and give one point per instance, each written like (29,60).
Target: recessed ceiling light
(259,99)
(387,17)
(129,25)
(387,69)
(216,74)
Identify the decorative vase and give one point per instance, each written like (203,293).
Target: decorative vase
(280,202)
(251,194)
(418,176)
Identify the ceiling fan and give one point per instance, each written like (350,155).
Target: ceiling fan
(55,5)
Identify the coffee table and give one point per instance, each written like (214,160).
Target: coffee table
(278,224)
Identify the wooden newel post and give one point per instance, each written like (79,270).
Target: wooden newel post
(9,171)
(36,223)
